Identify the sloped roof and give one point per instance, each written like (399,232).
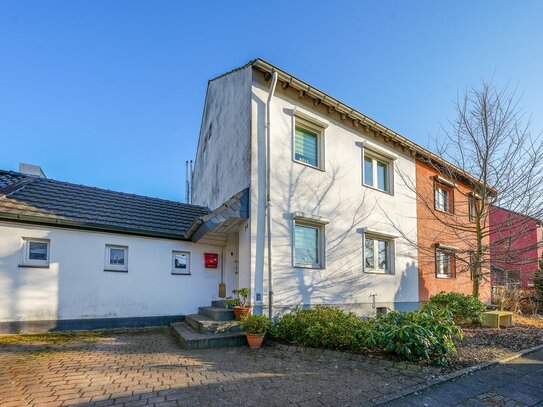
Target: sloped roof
(46,201)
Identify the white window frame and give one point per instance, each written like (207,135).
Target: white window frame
(452,264)
(312,127)
(391,252)
(177,272)
(116,267)
(26,261)
(378,158)
(300,219)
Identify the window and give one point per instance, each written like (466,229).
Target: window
(307,146)
(445,264)
(116,258)
(35,253)
(378,254)
(308,244)
(377,173)
(473,204)
(443,198)
(181,263)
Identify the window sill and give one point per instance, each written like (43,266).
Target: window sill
(308,266)
(378,190)
(444,277)
(442,211)
(309,165)
(380,273)
(181,274)
(116,271)
(32,266)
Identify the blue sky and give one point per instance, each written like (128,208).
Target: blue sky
(110,93)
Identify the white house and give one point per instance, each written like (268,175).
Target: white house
(324,186)
(293,194)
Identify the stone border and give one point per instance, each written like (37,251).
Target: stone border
(451,376)
(329,354)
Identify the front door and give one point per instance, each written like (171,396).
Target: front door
(231,263)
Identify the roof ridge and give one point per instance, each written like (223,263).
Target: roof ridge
(239,68)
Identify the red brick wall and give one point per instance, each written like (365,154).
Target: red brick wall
(431,231)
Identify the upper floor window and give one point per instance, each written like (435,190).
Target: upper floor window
(36,252)
(306,147)
(377,172)
(116,258)
(473,206)
(443,197)
(378,254)
(308,140)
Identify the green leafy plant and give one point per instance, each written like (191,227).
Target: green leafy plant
(424,334)
(240,299)
(255,324)
(465,308)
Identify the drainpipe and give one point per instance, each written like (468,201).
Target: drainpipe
(268,193)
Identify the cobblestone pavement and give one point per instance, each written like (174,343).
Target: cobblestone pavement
(516,383)
(149,368)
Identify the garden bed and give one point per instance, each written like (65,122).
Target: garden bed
(487,344)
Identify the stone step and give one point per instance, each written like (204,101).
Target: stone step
(216,313)
(218,303)
(205,325)
(188,338)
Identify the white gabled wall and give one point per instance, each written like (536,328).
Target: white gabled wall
(76,286)
(337,194)
(222,164)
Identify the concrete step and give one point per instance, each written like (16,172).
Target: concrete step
(188,338)
(205,325)
(216,313)
(218,303)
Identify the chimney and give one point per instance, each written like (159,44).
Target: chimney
(32,170)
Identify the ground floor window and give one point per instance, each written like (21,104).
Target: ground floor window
(308,244)
(35,252)
(116,258)
(445,264)
(180,263)
(378,254)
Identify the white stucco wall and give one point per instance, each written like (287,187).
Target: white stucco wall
(76,285)
(222,164)
(337,194)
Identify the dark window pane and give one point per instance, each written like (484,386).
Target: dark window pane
(37,251)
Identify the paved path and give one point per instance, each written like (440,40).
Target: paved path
(149,368)
(516,383)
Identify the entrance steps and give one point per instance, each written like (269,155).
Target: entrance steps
(212,327)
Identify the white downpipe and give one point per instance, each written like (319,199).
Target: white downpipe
(268,193)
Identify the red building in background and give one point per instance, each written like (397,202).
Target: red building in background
(515,248)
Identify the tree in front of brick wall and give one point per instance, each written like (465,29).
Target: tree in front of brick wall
(538,283)
(487,159)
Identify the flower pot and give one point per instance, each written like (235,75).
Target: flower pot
(239,311)
(254,341)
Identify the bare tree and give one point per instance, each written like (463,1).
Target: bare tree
(491,160)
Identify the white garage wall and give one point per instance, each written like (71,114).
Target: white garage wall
(76,286)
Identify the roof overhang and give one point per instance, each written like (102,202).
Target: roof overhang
(214,227)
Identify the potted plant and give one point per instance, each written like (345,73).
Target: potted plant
(255,327)
(240,302)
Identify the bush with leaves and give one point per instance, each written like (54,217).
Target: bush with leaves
(465,308)
(426,334)
(255,324)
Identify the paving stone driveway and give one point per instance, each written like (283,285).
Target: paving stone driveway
(516,383)
(148,368)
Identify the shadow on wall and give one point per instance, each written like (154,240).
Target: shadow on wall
(402,296)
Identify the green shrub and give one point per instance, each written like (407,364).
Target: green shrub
(425,334)
(240,299)
(255,324)
(465,308)
(321,327)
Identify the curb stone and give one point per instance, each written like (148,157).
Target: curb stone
(451,376)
